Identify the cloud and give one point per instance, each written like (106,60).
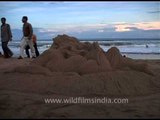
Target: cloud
(74,28)
(127,29)
(136,30)
(122,27)
(115,30)
(100,30)
(157,11)
(141,25)
(148,25)
(132,28)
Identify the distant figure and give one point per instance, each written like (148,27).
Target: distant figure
(6,36)
(34,39)
(147,46)
(26,40)
(124,56)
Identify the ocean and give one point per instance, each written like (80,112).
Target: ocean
(133,48)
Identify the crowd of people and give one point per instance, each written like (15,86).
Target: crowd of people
(28,41)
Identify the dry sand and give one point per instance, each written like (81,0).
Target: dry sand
(73,69)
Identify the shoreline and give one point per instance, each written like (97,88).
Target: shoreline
(143,56)
(133,56)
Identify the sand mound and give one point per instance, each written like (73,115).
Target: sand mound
(67,54)
(31,69)
(87,70)
(117,61)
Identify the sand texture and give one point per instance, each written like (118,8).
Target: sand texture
(71,68)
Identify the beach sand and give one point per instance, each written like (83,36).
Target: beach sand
(26,83)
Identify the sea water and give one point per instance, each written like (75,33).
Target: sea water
(133,48)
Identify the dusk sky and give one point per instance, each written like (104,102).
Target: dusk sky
(85,19)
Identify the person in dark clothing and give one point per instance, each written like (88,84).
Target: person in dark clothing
(0,54)
(34,39)
(6,36)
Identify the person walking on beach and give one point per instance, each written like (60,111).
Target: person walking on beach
(6,36)
(26,39)
(34,39)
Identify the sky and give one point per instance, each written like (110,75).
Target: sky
(85,19)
